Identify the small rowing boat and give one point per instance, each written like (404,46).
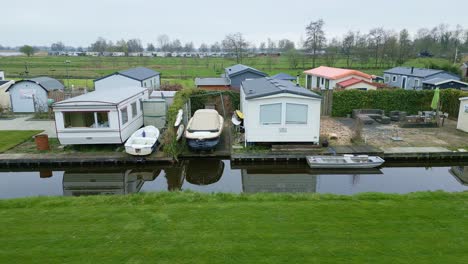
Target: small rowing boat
(143,141)
(344,162)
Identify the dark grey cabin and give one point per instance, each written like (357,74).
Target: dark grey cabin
(239,73)
(410,78)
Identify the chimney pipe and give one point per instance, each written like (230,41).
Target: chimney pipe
(412,70)
(297,80)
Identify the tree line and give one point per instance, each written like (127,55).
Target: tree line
(379,47)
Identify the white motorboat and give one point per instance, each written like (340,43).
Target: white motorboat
(204,129)
(180,115)
(143,141)
(344,162)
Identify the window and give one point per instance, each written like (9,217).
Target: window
(322,80)
(318,82)
(86,119)
(394,78)
(270,114)
(296,114)
(327,84)
(416,83)
(134,109)
(387,79)
(124,114)
(141,105)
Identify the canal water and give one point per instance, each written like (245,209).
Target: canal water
(212,176)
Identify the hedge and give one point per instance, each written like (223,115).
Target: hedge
(390,100)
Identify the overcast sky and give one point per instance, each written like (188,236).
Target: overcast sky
(79,23)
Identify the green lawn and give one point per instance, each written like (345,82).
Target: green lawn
(223,228)
(12,138)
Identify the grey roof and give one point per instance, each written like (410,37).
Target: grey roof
(50,84)
(417,72)
(212,81)
(47,83)
(240,68)
(255,88)
(438,81)
(102,97)
(138,73)
(283,76)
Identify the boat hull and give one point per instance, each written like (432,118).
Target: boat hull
(140,151)
(203,144)
(324,162)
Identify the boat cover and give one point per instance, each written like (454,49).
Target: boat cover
(204,120)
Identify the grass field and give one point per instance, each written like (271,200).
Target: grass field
(82,70)
(223,228)
(12,138)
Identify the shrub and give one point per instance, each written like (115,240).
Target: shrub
(396,99)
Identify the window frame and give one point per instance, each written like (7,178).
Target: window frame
(122,110)
(387,79)
(95,124)
(297,123)
(134,109)
(280,116)
(394,78)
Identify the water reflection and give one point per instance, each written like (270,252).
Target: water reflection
(204,172)
(220,176)
(78,182)
(460,173)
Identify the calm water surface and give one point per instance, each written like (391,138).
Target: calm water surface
(219,176)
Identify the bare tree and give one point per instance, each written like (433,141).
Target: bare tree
(376,41)
(100,45)
(188,47)
(203,48)
(404,46)
(215,47)
(347,46)
(163,42)
(134,45)
(315,38)
(262,47)
(285,45)
(57,46)
(271,46)
(236,44)
(150,47)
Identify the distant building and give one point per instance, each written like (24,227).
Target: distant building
(441,83)
(326,78)
(356,84)
(411,78)
(31,95)
(213,84)
(239,73)
(140,76)
(284,77)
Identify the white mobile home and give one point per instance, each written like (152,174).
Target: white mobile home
(100,117)
(279,111)
(463,115)
(140,76)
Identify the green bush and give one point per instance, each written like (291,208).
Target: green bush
(398,99)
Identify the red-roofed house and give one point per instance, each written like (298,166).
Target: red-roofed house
(328,77)
(355,83)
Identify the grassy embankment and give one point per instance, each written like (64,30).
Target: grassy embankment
(222,228)
(12,138)
(82,70)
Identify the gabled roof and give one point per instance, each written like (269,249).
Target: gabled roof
(352,81)
(138,74)
(439,81)
(46,83)
(261,87)
(240,68)
(102,97)
(417,72)
(335,73)
(283,76)
(212,81)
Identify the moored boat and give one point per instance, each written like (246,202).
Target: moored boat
(204,129)
(143,141)
(344,161)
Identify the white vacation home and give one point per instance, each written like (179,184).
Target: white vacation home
(100,117)
(135,77)
(463,115)
(279,111)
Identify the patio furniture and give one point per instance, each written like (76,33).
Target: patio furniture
(368,116)
(398,115)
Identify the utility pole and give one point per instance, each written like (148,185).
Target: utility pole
(67,62)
